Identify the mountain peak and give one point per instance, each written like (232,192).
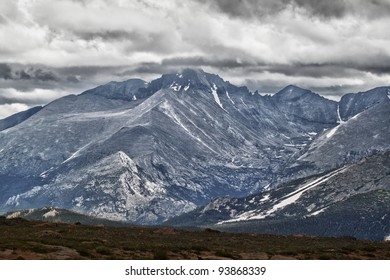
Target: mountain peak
(189,80)
(306,105)
(292,92)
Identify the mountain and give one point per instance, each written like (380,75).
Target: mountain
(360,136)
(353,200)
(18,118)
(145,152)
(303,105)
(353,103)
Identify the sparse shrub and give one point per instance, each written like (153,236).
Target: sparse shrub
(84,253)
(103,250)
(369,249)
(160,254)
(198,248)
(324,257)
(224,254)
(290,253)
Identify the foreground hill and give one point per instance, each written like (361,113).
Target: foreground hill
(23,239)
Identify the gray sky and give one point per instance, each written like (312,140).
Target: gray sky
(53,48)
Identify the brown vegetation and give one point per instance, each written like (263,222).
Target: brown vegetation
(23,239)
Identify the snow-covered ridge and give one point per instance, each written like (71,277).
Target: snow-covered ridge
(286,200)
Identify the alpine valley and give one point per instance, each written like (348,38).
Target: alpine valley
(190,149)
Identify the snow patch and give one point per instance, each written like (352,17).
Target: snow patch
(51,213)
(243,101)
(228,96)
(265,198)
(340,121)
(315,213)
(187,87)
(75,154)
(294,196)
(168,110)
(175,86)
(356,116)
(387,238)
(215,95)
(332,131)
(267,187)
(134,98)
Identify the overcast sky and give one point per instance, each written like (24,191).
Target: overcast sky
(49,48)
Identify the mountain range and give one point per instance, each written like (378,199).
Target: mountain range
(189,143)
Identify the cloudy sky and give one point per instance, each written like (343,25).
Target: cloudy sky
(51,48)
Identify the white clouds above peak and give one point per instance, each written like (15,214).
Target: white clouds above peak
(331,46)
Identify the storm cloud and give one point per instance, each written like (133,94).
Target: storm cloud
(67,46)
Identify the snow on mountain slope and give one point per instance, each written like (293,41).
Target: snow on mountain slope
(350,197)
(348,142)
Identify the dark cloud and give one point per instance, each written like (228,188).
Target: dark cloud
(327,9)
(90,70)
(24,75)
(43,75)
(339,8)
(249,9)
(20,72)
(115,35)
(309,70)
(198,61)
(5,71)
(72,79)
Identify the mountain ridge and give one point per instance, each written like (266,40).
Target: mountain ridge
(145,152)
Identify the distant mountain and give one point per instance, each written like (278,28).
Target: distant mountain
(354,103)
(145,152)
(360,136)
(303,105)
